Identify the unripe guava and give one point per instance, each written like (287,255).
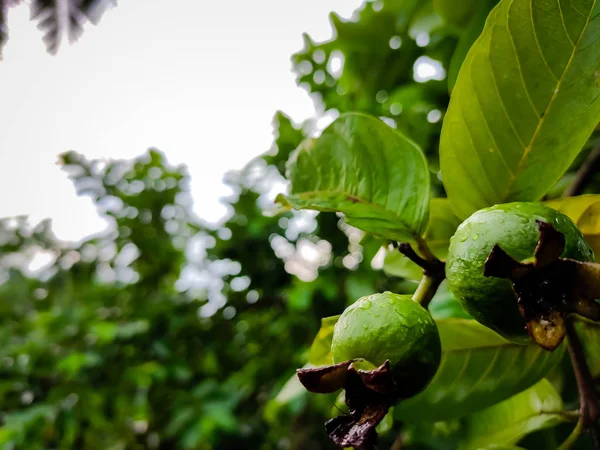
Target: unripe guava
(390,327)
(491,301)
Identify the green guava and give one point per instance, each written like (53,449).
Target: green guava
(491,301)
(390,327)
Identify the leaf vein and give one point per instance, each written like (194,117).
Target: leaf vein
(536,133)
(460,374)
(486,373)
(485,121)
(477,155)
(576,10)
(518,61)
(501,100)
(564,25)
(537,43)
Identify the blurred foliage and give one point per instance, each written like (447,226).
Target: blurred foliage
(166,332)
(56,19)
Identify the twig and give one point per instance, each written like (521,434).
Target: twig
(406,249)
(585,173)
(589,407)
(431,265)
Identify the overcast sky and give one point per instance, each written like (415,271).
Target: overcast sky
(199,80)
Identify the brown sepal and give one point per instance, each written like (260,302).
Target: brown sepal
(369,395)
(550,246)
(324,380)
(550,287)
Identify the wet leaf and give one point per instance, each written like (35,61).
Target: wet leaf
(507,422)
(367,170)
(479,368)
(524,104)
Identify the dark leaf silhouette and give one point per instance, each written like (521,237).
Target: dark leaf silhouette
(60,19)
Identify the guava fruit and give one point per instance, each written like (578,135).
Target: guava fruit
(514,227)
(385,348)
(390,327)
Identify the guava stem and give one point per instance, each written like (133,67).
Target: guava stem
(589,406)
(425,250)
(426,290)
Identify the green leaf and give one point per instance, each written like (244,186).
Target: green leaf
(365,169)
(478,369)
(584,210)
(508,422)
(524,104)
(320,350)
(467,38)
(442,225)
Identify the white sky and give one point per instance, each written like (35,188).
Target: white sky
(199,80)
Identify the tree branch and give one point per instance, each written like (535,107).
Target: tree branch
(585,173)
(589,406)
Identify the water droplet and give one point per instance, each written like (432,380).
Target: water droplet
(365,305)
(463,238)
(475,236)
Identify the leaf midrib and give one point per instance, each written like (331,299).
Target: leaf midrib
(361,200)
(546,111)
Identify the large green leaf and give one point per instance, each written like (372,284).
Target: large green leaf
(365,169)
(467,38)
(584,210)
(509,421)
(525,102)
(478,369)
(442,225)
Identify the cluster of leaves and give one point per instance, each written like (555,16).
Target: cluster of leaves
(166,333)
(521,111)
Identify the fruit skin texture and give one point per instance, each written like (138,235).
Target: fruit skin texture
(513,227)
(390,326)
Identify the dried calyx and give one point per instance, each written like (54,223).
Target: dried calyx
(550,287)
(369,395)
